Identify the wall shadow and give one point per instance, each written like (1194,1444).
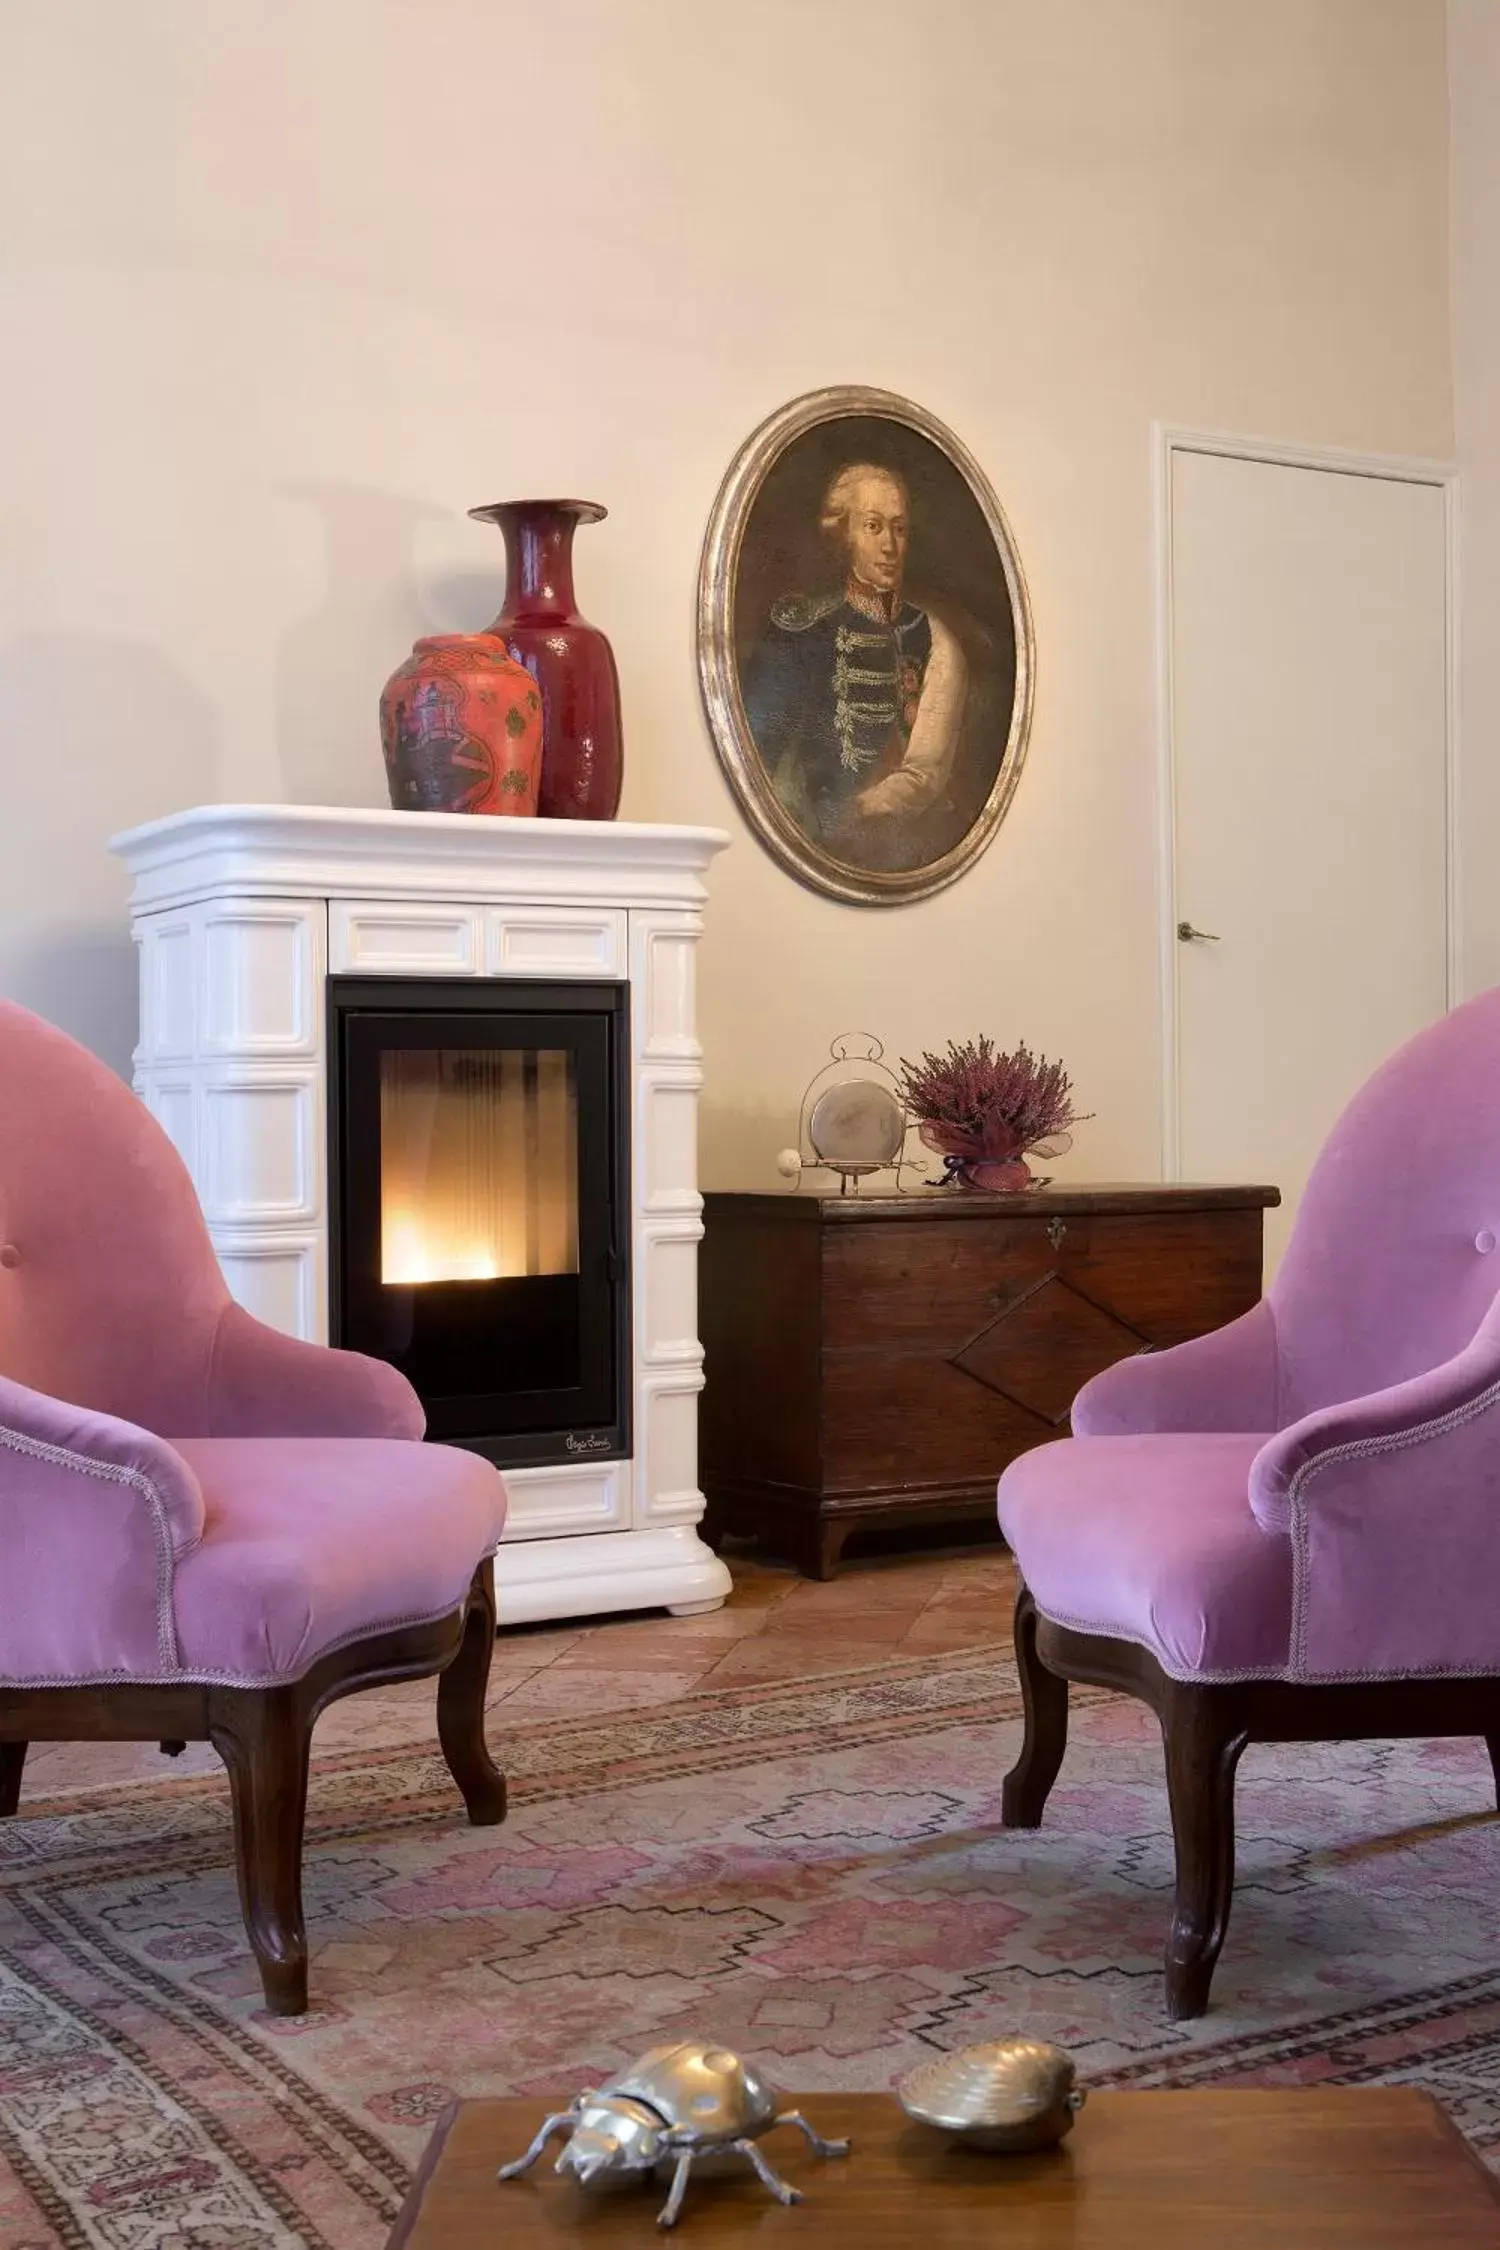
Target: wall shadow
(100,733)
(332,664)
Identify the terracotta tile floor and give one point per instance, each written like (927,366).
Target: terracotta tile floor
(774,1626)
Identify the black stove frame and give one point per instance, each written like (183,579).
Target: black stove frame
(565,1340)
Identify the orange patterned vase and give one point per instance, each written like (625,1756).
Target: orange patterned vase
(461,726)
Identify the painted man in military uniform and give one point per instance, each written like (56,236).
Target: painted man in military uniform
(855,697)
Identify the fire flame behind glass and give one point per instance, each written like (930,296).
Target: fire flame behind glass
(478,1164)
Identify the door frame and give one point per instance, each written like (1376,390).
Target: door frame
(1168,440)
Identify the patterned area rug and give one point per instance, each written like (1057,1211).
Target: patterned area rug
(814,1872)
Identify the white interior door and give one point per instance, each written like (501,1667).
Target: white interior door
(1307,645)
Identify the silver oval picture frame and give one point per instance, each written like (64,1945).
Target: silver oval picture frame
(865,646)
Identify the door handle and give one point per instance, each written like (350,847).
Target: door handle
(1186,933)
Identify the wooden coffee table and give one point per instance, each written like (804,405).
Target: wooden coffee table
(1336,2168)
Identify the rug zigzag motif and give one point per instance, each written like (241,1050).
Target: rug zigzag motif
(258,2068)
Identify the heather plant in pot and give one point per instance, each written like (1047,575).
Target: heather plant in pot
(984,1112)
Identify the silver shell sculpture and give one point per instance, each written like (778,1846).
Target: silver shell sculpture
(1009,2095)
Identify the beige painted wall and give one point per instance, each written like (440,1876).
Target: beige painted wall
(286,287)
(1474,78)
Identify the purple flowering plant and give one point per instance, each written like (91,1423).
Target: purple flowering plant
(985,1112)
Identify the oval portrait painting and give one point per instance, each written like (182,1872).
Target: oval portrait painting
(864,645)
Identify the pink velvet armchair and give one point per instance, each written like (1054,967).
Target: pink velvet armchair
(1290,1530)
(209,1530)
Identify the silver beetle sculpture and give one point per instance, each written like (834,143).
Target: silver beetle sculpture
(671,2108)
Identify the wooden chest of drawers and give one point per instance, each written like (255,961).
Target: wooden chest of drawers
(876,1361)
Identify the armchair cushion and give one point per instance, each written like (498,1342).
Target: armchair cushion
(1151,1540)
(311,1542)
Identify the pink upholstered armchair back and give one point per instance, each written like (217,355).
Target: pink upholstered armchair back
(110,1295)
(1393,1261)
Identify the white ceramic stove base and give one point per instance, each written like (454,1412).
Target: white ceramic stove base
(242,911)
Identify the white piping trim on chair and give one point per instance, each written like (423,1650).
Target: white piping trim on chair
(1134,1640)
(1241,1678)
(181,1677)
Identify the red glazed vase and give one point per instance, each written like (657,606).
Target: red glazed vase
(572,663)
(461,727)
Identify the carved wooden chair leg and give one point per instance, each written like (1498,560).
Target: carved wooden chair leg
(263,1737)
(1492,1744)
(1045,1697)
(460,1708)
(12,1761)
(1202,1747)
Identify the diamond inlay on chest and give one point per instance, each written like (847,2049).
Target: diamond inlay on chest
(1044,1346)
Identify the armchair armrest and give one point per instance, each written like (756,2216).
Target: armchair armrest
(265,1384)
(95,1513)
(1391,1502)
(1223,1381)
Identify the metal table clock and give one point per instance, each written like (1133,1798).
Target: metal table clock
(853,1117)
